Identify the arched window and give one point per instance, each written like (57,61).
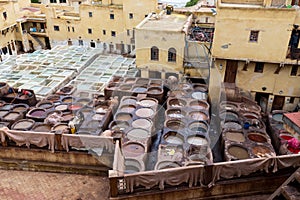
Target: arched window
(154,53)
(172,55)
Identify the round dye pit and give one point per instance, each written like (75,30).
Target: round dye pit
(238,152)
(119,125)
(175,124)
(261,150)
(144,112)
(98,117)
(132,166)
(235,136)
(176,113)
(197,140)
(133,149)
(68,100)
(45,105)
(199,95)
(84,101)
(42,128)
(198,115)
(142,123)
(67,116)
(277,117)
(23,124)
(139,89)
(53,98)
(127,108)
(249,108)
(130,80)
(123,117)
(250,116)
(61,107)
(138,134)
(61,128)
(154,90)
(3,112)
(7,107)
(198,126)
(226,115)
(125,87)
(74,107)
(167,165)
(142,81)
(11,116)
(177,103)
(228,106)
(199,104)
(129,101)
(286,137)
(174,138)
(232,125)
(147,102)
(20,107)
(256,137)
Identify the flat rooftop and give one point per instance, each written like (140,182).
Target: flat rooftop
(158,22)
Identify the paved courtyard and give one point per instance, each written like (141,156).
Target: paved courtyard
(27,185)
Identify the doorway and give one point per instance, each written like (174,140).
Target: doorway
(47,42)
(278,102)
(262,100)
(231,71)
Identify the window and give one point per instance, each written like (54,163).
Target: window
(111,16)
(104,32)
(146,16)
(130,15)
(259,67)
(253,36)
(90,14)
(62,1)
(154,74)
(90,31)
(93,44)
(172,55)
(113,33)
(154,53)
(52,1)
(73,29)
(4,15)
(128,32)
(56,28)
(292,100)
(294,70)
(68,28)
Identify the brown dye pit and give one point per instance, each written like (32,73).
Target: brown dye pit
(257,138)
(61,127)
(119,126)
(175,124)
(133,149)
(238,152)
(248,107)
(142,123)
(130,80)
(23,97)
(174,138)
(138,134)
(260,150)
(23,124)
(20,108)
(177,103)
(144,112)
(147,103)
(11,95)
(127,108)
(42,128)
(11,116)
(197,115)
(53,98)
(197,140)
(235,136)
(68,117)
(228,106)
(198,127)
(232,125)
(199,105)
(154,90)
(142,81)
(3,112)
(68,100)
(123,117)
(125,87)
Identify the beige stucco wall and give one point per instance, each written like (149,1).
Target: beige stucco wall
(233,26)
(163,40)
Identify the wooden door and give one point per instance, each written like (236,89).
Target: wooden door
(231,71)
(278,103)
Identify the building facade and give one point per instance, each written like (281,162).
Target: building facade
(252,49)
